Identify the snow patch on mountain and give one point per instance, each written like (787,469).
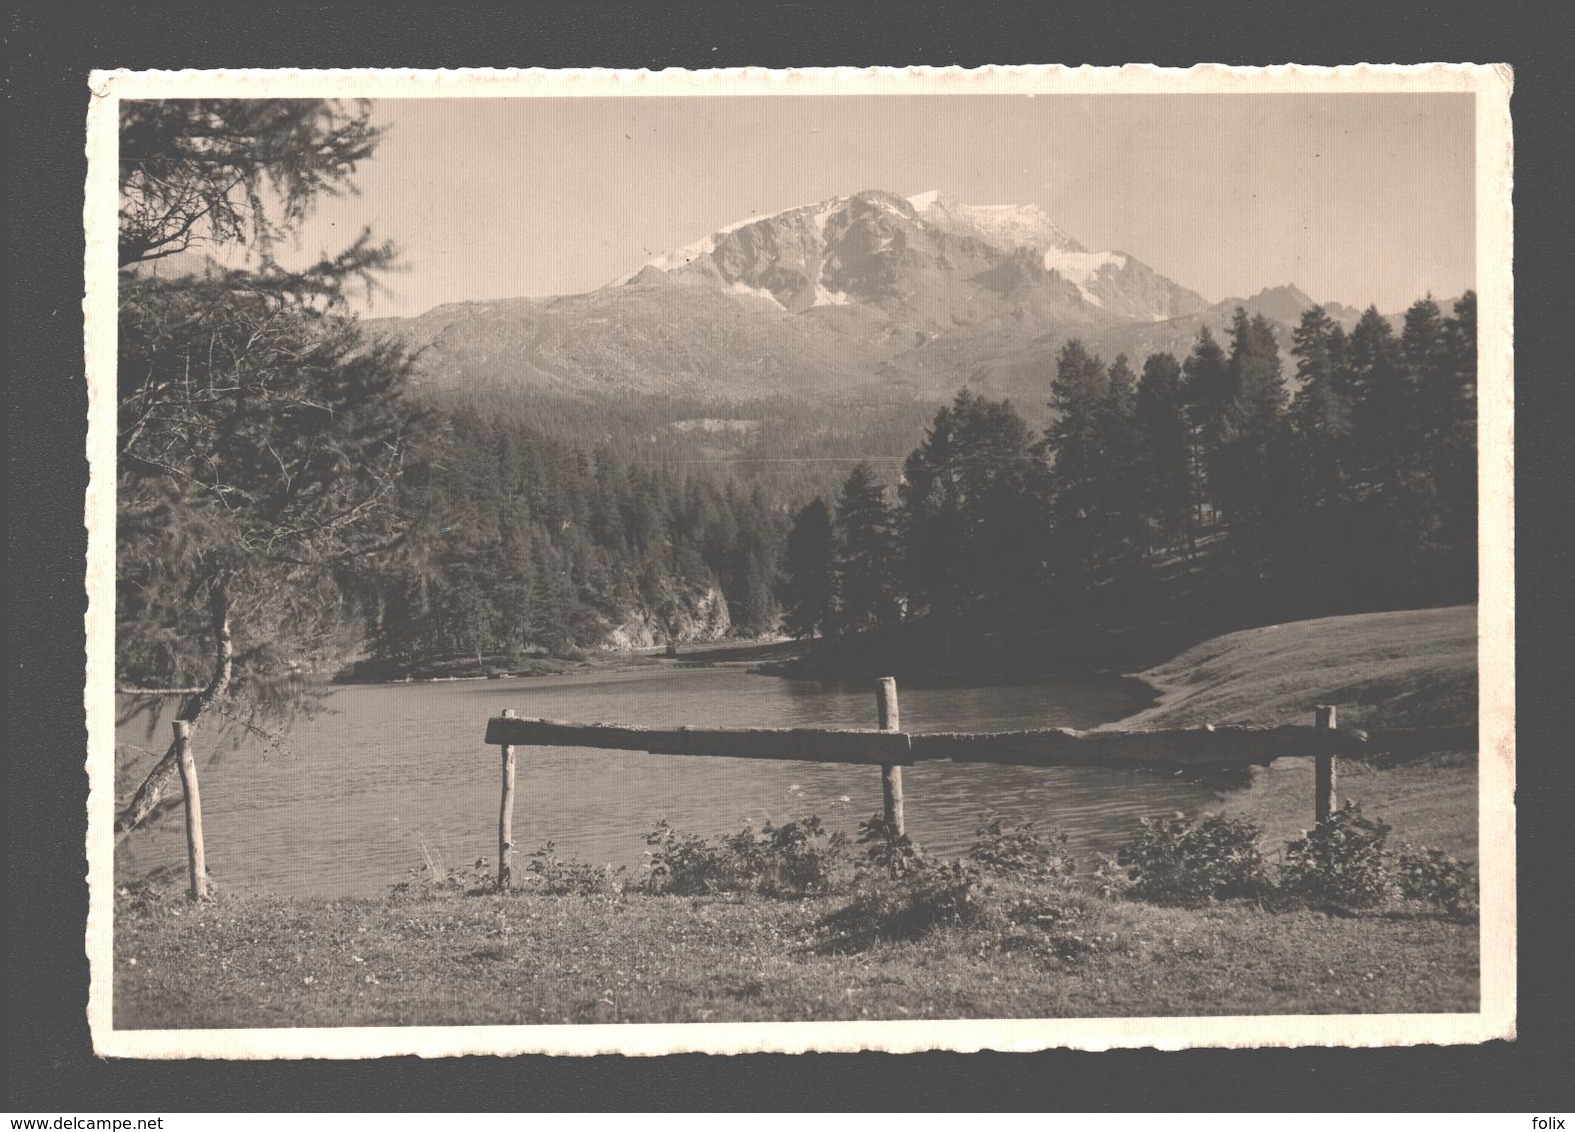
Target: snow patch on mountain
(741,288)
(825,298)
(1006,226)
(1082,268)
(667,261)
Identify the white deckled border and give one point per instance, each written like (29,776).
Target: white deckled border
(1491,84)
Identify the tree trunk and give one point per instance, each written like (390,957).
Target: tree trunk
(164,772)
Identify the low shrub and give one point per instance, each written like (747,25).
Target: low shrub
(433,878)
(795,858)
(1433,877)
(1175,860)
(886,850)
(1010,892)
(1019,850)
(906,906)
(552,875)
(1338,862)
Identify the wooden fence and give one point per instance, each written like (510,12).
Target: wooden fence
(890,748)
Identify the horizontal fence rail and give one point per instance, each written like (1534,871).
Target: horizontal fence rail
(1050,747)
(797,744)
(891,749)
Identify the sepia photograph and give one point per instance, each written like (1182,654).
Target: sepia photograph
(915,559)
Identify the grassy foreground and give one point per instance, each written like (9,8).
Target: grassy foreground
(523,959)
(440,956)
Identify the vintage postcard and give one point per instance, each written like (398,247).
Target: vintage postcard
(820,560)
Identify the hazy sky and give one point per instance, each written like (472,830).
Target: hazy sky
(1356,198)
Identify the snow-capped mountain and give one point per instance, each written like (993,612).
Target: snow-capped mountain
(1003,225)
(871,290)
(860,248)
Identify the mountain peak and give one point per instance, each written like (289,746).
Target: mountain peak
(887,253)
(1006,226)
(1284,303)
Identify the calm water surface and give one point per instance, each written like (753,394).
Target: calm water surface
(388,774)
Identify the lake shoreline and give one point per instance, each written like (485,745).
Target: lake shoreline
(261,960)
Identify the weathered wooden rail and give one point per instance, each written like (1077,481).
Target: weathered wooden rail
(892,749)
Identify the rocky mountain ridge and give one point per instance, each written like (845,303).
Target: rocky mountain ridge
(869,291)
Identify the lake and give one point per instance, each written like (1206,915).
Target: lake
(390,775)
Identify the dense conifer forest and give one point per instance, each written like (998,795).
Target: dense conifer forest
(1200,488)
(547,524)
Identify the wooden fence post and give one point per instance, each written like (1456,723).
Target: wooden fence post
(1325,771)
(890,776)
(506,816)
(195,858)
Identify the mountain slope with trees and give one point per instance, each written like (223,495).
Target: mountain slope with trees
(1197,496)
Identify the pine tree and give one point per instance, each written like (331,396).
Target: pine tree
(262,441)
(1244,464)
(1383,415)
(866,554)
(1164,453)
(972,536)
(1453,448)
(1208,392)
(1321,413)
(1120,472)
(808,593)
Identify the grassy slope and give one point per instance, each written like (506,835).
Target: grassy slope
(523,958)
(1414,668)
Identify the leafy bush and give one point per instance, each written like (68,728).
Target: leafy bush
(552,875)
(1340,861)
(888,851)
(1019,850)
(1009,892)
(795,858)
(432,877)
(1176,861)
(1434,877)
(907,905)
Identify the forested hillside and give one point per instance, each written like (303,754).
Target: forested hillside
(1226,487)
(1190,495)
(523,543)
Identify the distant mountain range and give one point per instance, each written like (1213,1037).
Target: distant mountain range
(860,293)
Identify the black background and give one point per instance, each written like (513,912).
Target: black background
(51,49)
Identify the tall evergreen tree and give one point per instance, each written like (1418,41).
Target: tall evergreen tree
(262,441)
(1321,412)
(1452,410)
(1164,453)
(971,534)
(1094,483)
(1120,472)
(1208,392)
(1247,461)
(808,592)
(867,558)
(1383,414)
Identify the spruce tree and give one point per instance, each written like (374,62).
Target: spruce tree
(1163,454)
(866,554)
(1245,462)
(1208,393)
(808,592)
(972,532)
